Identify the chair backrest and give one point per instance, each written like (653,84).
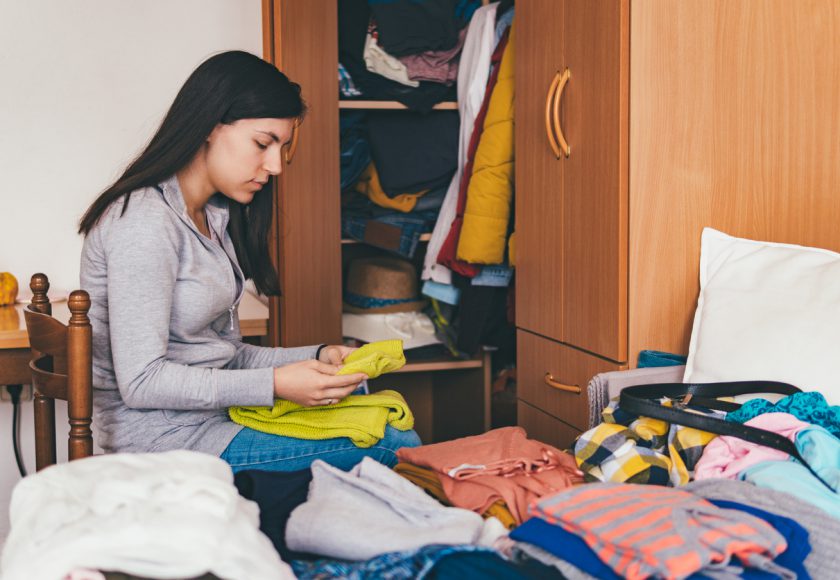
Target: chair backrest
(61,368)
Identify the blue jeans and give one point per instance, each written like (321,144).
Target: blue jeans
(252,449)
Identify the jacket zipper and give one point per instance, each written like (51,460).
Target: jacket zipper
(215,248)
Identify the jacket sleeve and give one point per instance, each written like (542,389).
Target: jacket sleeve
(249,356)
(142,254)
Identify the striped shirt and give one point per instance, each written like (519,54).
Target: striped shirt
(646,530)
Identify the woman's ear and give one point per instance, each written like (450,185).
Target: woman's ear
(214,133)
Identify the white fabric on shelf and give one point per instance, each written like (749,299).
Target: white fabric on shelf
(380,62)
(371,510)
(415,329)
(473,74)
(160,515)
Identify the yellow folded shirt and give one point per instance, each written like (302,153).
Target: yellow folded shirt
(375,359)
(369,185)
(361,418)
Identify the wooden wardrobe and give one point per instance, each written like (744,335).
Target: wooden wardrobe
(638,123)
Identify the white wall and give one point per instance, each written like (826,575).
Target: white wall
(83,85)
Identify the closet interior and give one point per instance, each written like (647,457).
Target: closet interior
(374,159)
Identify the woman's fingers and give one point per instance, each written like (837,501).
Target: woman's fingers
(338,392)
(335,356)
(326,368)
(343,380)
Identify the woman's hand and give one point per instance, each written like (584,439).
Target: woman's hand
(334,354)
(311,383)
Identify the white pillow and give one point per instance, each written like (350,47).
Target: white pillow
(767,311)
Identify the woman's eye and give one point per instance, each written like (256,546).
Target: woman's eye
(261,145)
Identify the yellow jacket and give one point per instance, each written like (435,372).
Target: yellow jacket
(490,191)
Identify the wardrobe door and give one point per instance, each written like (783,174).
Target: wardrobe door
(594,122)
(539,171)
(308,252)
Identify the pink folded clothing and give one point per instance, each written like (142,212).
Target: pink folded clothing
(727,456)
(439,66)
(502,464)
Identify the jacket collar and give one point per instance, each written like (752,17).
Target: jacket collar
(174,197)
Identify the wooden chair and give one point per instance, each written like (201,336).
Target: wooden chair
(61,367)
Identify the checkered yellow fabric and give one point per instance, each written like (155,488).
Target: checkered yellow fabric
(627,448)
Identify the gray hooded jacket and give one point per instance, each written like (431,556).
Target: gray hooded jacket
(168,358)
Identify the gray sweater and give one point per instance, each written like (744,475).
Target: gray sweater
(168,358)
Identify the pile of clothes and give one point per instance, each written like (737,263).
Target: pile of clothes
(798,497)
(496,505)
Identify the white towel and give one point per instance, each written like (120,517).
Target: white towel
(162,515)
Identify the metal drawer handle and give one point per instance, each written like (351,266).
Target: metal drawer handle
(549,380)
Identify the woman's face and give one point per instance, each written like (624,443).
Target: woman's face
(242,156)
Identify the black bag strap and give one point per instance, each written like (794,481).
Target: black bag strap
(643,400)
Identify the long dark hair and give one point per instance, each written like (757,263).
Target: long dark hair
(225,88)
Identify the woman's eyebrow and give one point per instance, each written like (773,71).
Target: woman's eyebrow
(270,134)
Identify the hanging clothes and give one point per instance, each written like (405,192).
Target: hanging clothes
(473,74)
(490,193)
(448,250)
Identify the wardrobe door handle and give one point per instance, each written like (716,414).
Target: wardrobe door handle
(549,380)
(564,80)
(290,152)
(549,98)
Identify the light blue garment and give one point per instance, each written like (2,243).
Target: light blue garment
(821,450)
(502,24)
(495,276)
(793,478)
(252,449)
(443,292)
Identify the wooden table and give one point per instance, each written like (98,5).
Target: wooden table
(14,343)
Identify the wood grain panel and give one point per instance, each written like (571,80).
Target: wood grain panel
(595,194)
(306,48)
(539,175)
(14,366)
(543,427)
(735,124)
(537,356)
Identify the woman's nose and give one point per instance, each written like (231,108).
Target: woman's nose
(273,164)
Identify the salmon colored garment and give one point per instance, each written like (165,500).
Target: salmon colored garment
(428,480)
(502,464)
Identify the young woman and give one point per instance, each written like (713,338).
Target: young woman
(167,250)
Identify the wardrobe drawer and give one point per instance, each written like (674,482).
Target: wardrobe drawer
(553,377)
(543,427)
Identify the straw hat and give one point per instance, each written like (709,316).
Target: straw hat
(381,285)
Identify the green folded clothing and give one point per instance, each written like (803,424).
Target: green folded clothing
(361,418)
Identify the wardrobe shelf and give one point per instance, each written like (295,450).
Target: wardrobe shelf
(444,364)
(446,105)
(423,238)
